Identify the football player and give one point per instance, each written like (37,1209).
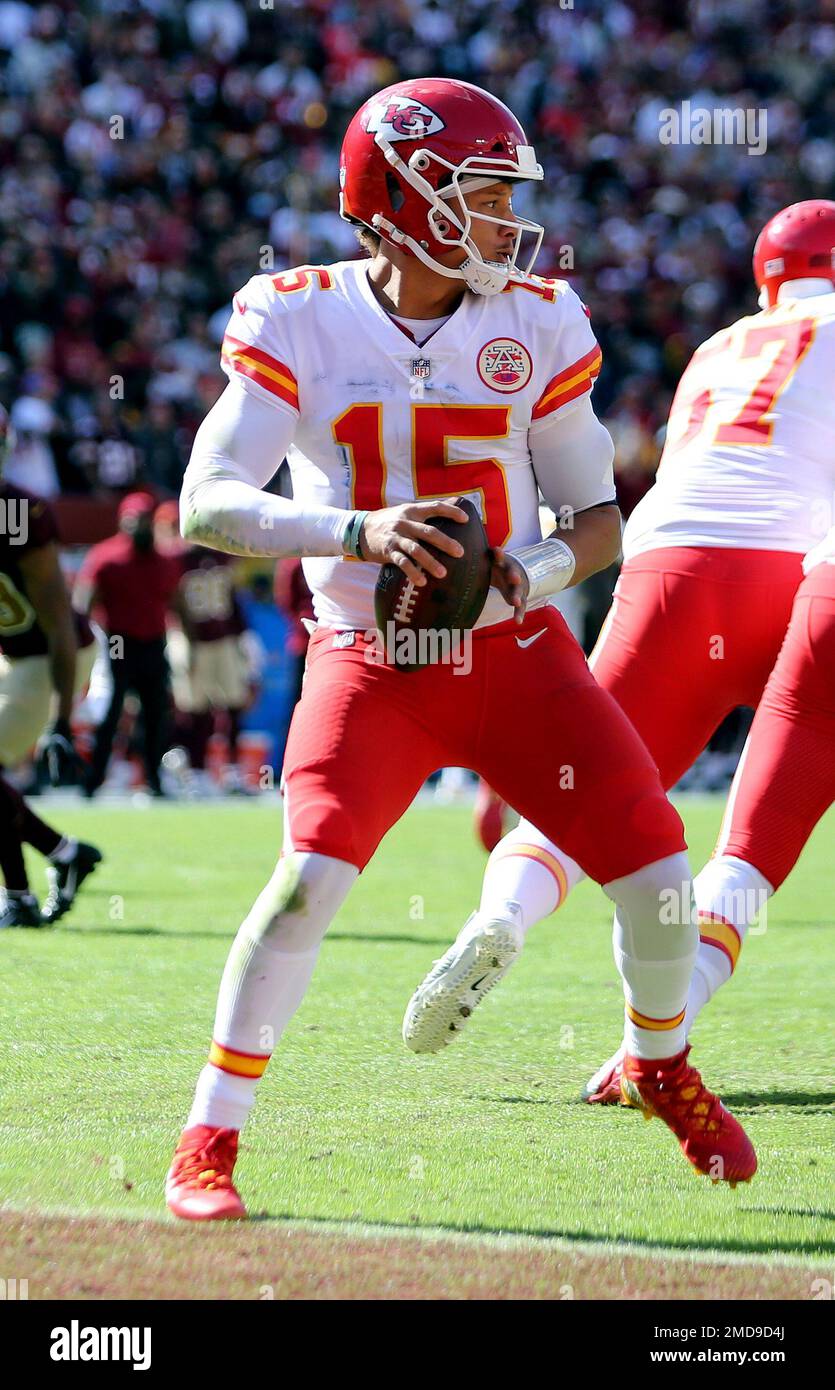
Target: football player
(438,369)
(713,560)
(785,780)
(211,664)
(45,661)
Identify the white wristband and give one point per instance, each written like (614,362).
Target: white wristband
(549,566)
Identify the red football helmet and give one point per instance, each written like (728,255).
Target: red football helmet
(797,244)
(413,151)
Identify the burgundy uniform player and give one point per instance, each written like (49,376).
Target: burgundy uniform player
(45,660)
(210,668)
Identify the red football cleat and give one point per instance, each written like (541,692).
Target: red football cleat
(199,1185)
(604,1087)
(489,814)
(710,1137)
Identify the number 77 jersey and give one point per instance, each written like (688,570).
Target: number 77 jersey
(379,421)
(749,459)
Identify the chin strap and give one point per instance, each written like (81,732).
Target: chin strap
(487,277)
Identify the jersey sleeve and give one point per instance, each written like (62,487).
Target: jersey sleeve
(572,457)
(576,360)
(257,351)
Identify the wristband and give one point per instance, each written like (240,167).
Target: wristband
(351,535)
(549,566)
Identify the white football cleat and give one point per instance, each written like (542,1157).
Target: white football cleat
(481,955)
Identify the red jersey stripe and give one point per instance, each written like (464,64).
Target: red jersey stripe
(569,384)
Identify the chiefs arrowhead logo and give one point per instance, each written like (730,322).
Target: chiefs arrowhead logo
(401,118)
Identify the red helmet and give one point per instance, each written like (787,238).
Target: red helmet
(404,157)
(797,244)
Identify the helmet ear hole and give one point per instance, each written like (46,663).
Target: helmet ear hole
(442,227)
(396,195)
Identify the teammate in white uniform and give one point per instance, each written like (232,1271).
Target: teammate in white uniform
(713,558)
(492,404)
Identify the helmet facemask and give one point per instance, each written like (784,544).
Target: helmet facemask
(450,220)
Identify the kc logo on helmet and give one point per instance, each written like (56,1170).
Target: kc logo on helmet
(402,118)
(504,365)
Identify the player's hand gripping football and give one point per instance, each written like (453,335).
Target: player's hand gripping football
(510,580)
(399,536)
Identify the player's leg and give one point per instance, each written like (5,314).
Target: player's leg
(784,783)
(106,730)
(232,691)
(574,765)
(646,658)
(150,679)
(691,633)
(71,860)
(489,814)
(356,725)
(20,908)
(25,694)
(607,807)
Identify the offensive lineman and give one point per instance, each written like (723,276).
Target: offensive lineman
(713,560)
(439,369)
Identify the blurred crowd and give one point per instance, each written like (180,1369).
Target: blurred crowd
(153,155)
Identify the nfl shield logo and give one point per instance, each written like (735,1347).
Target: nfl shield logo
(421,368)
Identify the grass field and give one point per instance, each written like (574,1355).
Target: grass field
(372,1172)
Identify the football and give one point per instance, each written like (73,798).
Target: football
(417,624)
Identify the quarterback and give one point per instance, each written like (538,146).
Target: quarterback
(438,369)
(714,556)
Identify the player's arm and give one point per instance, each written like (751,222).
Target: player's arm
(572,456)
(85,594)
(48,595)
(179,607)
(236,452)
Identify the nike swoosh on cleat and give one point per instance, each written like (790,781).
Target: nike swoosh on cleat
(526,641)
(479,982)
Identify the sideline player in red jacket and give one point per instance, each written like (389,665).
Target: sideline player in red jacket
(438,369)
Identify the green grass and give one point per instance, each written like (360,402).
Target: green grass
(107,1019)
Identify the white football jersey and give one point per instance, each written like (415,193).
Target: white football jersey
(749,458)
(381,421)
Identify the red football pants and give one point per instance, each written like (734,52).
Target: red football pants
(528,718)
(786,778)
(692,633)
